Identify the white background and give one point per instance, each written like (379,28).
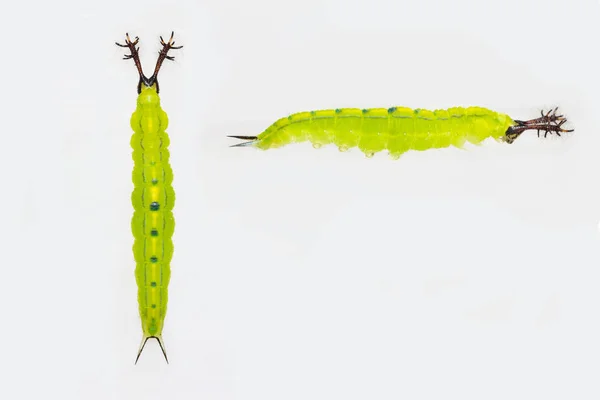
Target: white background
(302,273)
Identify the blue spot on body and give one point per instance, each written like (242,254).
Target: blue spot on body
(154,206)
(392,109)
(153,259)
(153,284)
(153,232)
(154,181)
(338,110)
(365,110)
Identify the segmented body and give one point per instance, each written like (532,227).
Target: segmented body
(153,199)
(396,129)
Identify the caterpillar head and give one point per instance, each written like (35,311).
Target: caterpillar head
(134,55)
(548,123)
(148,96)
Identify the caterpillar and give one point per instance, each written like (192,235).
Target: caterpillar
(153,197)
(399,129)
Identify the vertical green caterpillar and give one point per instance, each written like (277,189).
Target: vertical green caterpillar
(399,129)
(153,198)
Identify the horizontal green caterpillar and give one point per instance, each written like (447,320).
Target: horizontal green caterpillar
(399,129)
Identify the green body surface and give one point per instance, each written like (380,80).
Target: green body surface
(153,199)
(396,129)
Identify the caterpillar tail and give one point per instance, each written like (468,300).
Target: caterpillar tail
(251,140)
(160,343)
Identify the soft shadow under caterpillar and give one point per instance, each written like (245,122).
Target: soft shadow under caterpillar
(399,129)
(153,198)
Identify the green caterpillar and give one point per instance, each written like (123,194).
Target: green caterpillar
(153,198)
(399,129)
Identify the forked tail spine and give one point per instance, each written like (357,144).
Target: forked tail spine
(160,343)
(250,140)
